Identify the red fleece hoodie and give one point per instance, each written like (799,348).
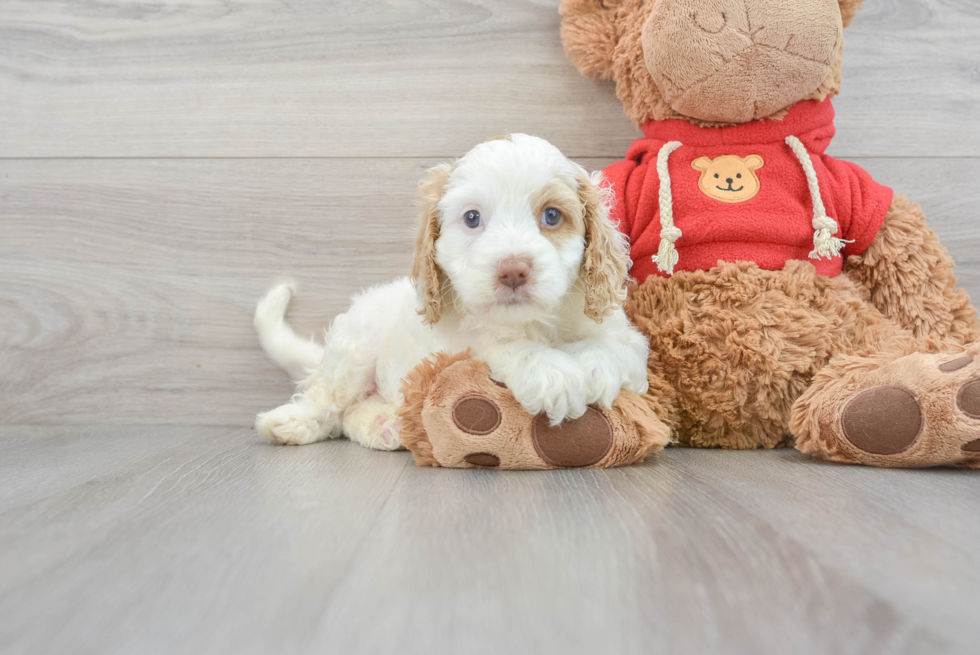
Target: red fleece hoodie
(741,194)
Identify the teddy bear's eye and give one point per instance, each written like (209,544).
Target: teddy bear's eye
(739,176)
(717,176)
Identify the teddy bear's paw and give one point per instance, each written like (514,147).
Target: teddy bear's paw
(574,443)
(580,442)
(917,411)
(466,419)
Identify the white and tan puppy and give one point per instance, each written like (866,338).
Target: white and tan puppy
(516,259)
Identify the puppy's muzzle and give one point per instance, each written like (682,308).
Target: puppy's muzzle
(514,272)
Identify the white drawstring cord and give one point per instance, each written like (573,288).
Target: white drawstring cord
(666,258)
(825,244)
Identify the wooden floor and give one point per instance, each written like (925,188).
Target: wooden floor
(161,163)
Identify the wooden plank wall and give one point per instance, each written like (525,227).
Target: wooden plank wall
(162,163)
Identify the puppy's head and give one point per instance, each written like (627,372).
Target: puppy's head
(510,229)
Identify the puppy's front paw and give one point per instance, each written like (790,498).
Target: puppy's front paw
(607,373)
(604,377)
(551,382)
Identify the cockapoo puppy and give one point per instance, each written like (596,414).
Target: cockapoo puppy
(516,259)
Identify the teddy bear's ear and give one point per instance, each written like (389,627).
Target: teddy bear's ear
(590,32)
(701,164)
(754,162)
(848,9)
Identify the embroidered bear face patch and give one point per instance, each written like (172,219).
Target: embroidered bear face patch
(729,178)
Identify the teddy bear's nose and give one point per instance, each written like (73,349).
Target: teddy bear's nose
(730,180)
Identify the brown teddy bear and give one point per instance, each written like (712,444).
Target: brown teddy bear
(859,350)
(455,416)
(789,298)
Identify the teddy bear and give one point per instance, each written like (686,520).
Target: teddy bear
(455,416)
(789,298)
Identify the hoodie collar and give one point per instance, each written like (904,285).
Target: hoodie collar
(811,121)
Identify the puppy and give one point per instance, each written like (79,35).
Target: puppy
(516,259)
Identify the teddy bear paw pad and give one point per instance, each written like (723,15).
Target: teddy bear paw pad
(485,460)
(883,421)
(476,415)
(968,399)
(955,364)
(573,444)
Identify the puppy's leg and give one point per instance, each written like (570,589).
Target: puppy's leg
(300,421)
(542,379)
(613,357)
(373,423)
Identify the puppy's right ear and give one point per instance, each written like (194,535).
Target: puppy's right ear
(426,274)
(590,32)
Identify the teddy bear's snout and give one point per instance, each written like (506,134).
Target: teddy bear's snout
(733,61)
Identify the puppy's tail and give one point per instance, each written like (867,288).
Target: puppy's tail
(296,356)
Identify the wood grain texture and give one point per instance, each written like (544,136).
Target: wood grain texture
(395,78)
(214,542)
(161,163)
(128,286)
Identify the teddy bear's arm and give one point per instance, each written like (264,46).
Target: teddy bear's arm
(909,277)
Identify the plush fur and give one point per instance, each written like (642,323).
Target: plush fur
(605,39)
(539,301)
(877,365)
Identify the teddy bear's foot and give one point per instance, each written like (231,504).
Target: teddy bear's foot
(455,416)
(919,410)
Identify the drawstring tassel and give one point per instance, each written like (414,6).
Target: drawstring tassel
(825,244)
(666,258)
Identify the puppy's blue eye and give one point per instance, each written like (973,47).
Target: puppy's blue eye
(551,217)
(472,219)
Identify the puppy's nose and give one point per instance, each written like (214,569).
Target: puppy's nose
(513,272)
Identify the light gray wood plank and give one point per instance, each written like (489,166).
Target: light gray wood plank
(408,78)
(127,287)
(220,543)
(639,560)
(39,461)
(917,526)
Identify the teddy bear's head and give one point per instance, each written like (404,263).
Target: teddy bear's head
(710,61)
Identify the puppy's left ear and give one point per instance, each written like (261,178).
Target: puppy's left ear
(426,274)
(606,262)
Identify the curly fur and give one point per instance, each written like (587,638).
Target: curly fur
(909,276)
(605,265)
(738,344)
(428,277)
(735,347)
(747,358)
(557,336)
